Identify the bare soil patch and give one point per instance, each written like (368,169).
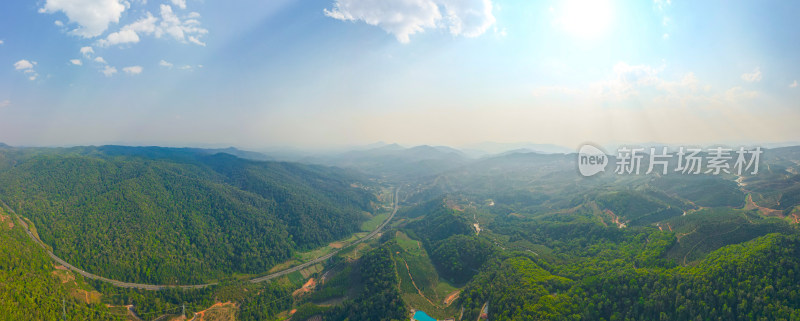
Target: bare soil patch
(88,297)
(4,218)
(307,287)
(63,276)
(217,312)
(451,297)
(750,204)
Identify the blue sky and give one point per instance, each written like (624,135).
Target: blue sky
(328,73)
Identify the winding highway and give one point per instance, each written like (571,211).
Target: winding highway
(155,287)
(329,255)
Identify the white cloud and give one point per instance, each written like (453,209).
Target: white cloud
(196,41)
(793,85)
(754,76)
(627,80)
(5,103)
(403,18)
(737,94)
(87,51)
(133,70)
(130,33)
(76,62)
(108,71)
(185,29)
(190,67)
(92,16)
(666,21)
(27,68)
(468,18)
(119,37)
(179,29)
(58,23)
(100,60)
(179,3)
(1,42)
(164,63)
(639,83)
(24,65)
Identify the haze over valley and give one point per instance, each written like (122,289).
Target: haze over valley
(357,160)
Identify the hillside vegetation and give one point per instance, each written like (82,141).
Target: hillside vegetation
(175,217)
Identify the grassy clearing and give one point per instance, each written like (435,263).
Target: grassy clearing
(374,222)
(425,277)
(405,280)
(353,253)
(313,254)
(307,272)
(284,265)
(296,278)
(444,288)
(306,256)
(407,244)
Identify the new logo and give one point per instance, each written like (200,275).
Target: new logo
(591,160)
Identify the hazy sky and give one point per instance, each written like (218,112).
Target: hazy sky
(318,73)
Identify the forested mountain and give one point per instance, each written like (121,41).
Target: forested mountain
(30,289)
(756,280)
(379,298)
(439,223)
(450,240)
(518,236)
(173,216)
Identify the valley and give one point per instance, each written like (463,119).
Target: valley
(509,237)
(399,160)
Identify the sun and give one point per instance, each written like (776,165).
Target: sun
(585,18)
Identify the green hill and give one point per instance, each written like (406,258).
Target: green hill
(32,289)
(171,216)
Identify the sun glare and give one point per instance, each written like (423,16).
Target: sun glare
(585,18)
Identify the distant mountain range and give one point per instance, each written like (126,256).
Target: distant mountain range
(487,148)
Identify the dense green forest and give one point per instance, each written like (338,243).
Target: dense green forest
(517,235)
(756,280)
(262,301)
(379,298)
(33,288)
(172,217)
(30,288)
(440,223)
(450,239)
(637,208)
(458,257)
